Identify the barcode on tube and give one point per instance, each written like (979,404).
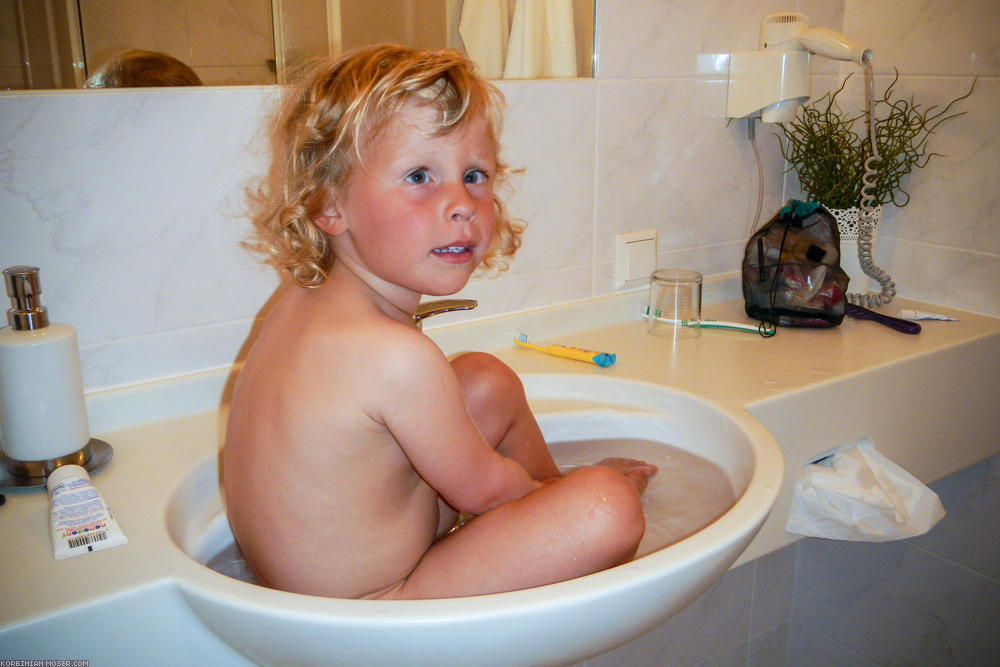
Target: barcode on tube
(84,540)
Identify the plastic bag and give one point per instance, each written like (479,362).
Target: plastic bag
(859,494)
(791,269)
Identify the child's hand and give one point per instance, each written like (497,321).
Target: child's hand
(636,471)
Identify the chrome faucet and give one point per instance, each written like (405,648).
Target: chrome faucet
(432,308)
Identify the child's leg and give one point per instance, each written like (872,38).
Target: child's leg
(576,525)
(495,399)
(585,522)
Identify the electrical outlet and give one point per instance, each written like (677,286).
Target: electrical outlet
(635,257)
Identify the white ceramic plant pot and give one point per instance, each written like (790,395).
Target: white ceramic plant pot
(847,223)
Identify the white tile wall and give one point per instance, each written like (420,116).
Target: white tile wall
(130,201)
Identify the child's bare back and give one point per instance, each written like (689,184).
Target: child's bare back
(333,507)
(352,442)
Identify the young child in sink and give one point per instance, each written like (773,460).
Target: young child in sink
(352,442)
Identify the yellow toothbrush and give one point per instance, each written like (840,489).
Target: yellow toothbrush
(600,358)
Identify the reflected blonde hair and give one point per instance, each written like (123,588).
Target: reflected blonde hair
(332,115)
(141,69)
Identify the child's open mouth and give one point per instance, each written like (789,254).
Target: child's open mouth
(454,253)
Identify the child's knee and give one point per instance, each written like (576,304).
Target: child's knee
(613,508)
(486,380)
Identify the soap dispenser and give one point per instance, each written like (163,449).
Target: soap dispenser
(43,416)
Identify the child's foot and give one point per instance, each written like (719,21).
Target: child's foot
(636,471)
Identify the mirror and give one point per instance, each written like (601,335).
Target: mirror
(48,44)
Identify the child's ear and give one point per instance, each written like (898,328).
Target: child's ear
(329,219)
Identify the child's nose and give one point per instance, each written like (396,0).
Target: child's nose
(461,204)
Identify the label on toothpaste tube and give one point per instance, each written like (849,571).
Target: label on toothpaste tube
(81,522)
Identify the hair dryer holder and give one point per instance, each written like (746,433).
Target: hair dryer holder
(774,80)
(775,83)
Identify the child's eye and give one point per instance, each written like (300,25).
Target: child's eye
(476,177)
(417,177)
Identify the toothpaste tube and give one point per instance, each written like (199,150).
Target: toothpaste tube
(81,521)
(920,315)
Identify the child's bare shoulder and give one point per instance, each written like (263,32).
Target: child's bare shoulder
(405,353)
(391,352)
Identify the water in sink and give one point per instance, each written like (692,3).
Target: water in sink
(687,493)
(230,562)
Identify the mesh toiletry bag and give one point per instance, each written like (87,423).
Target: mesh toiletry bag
(791,269)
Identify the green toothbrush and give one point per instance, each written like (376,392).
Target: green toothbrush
(765,329)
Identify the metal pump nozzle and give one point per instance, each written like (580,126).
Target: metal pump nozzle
(24,289)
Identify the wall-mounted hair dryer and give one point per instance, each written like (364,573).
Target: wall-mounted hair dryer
(774,80)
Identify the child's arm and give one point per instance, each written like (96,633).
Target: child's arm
(423,408)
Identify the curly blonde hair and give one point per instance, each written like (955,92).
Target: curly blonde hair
(334,113)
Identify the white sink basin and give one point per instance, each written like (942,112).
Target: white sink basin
(554,624)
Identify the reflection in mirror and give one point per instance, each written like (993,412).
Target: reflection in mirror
(143,69)
(63,43)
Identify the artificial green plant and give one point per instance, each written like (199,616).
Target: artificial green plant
(827,147)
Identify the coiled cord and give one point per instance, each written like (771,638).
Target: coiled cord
(752,136)
(866,228)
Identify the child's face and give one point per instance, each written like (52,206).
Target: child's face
(419,212)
